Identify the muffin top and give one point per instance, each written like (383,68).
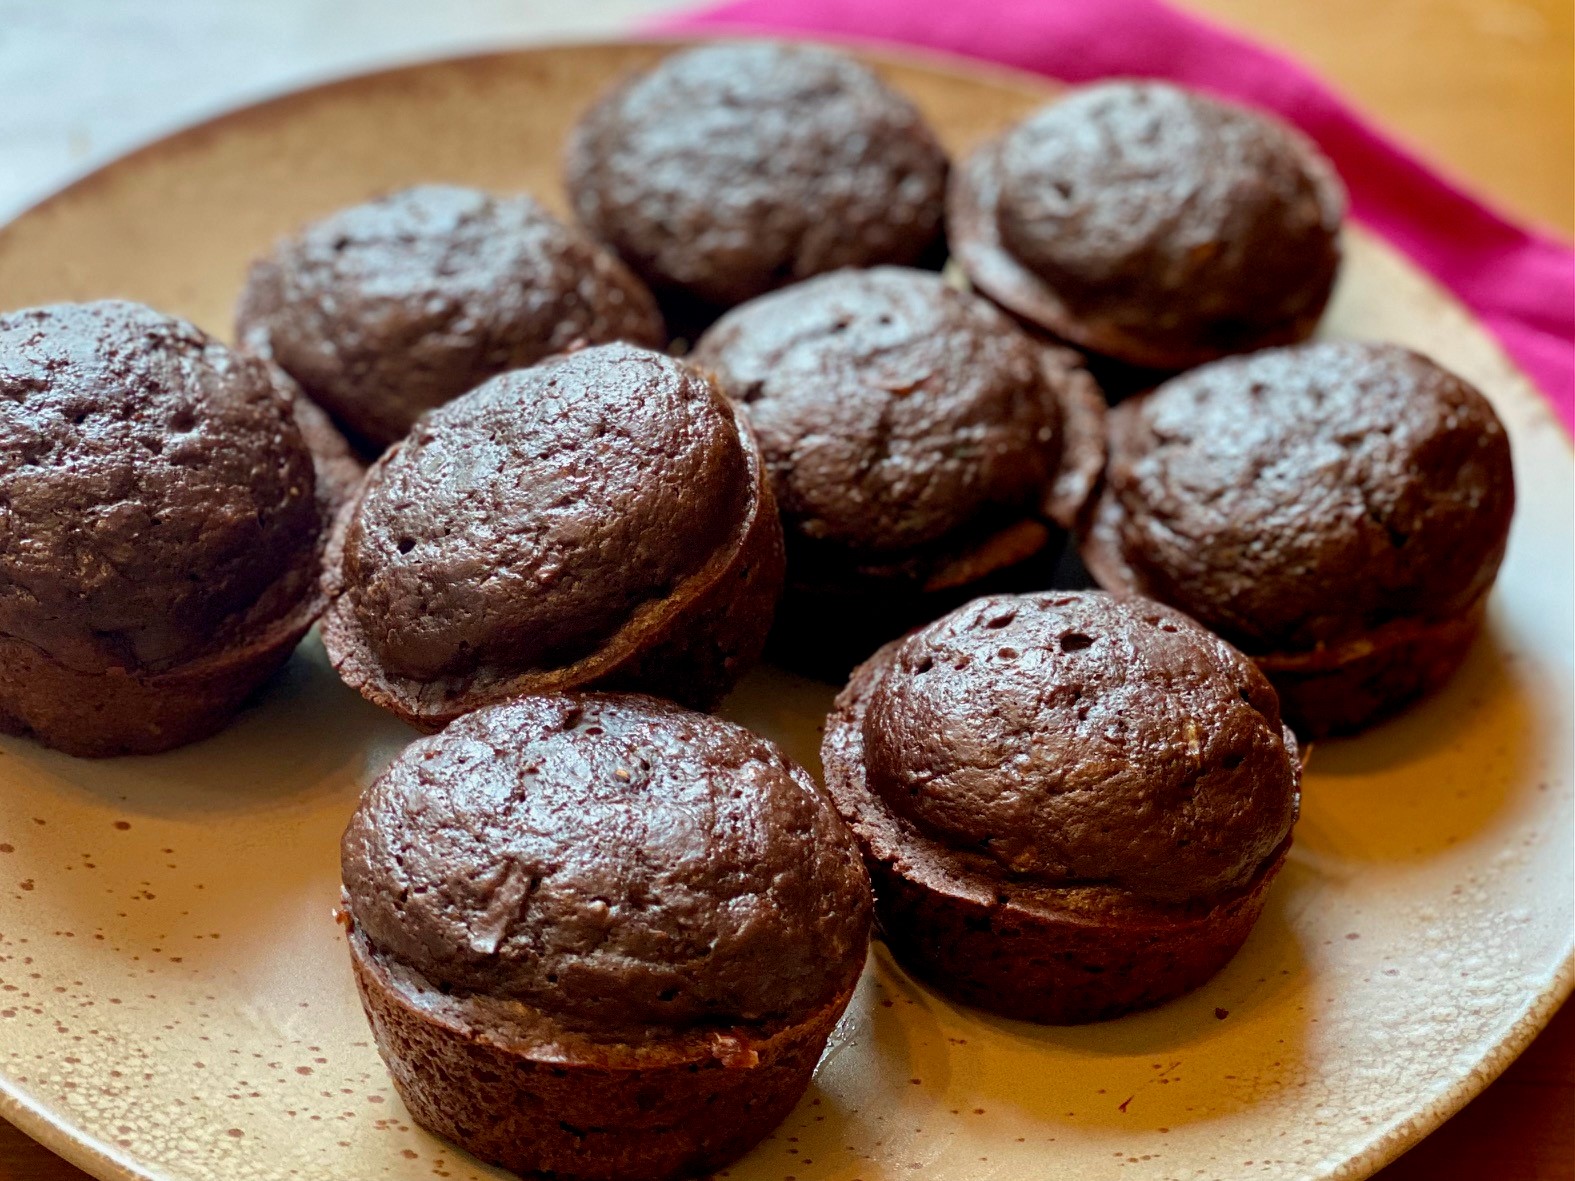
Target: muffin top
(612,860)
(1166,225)
(522,524)
(891,409)
(156,497)
(732,169)
(1079,738)
(1304,496)
(387,309)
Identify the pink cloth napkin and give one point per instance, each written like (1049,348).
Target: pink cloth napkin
(1519,282)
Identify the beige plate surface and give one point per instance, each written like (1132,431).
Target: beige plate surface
(175,1000)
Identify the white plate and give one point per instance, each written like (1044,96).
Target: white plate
(176,1002)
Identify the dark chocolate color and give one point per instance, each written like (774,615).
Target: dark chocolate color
(892,409)
(732,169)
(387,309)
(1077,739)
(1303,497)
(521,525)
(156,497)
(613,861)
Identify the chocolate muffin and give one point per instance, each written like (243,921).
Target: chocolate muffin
(1151,225)
(602,519)
(1071,805)
(160,529)
(1337,510)
(921,448)
(600,937)
(733,169)
(387,309)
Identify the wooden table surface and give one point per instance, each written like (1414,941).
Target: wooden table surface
(1486,88)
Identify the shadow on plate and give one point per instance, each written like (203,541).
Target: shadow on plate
(913,1057)
(1437,776)
(304,734)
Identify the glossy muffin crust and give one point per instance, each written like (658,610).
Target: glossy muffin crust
(601,936)
(920,445)
(1151,225)
(160,529)
(385,310)
(1336,510)
(600,519)
(732,169)
(1071,804)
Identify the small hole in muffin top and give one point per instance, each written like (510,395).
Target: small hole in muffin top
(1008,653)
(406,544)
(1076,642)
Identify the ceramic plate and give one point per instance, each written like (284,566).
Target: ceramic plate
(175,998)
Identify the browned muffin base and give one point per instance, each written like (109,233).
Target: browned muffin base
(577,1112)
(1331,691)
(1346,689)
(1054,955)
(1068,968)
(690,647)
(95,715)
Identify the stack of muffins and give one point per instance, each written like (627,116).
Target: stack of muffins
(739,410)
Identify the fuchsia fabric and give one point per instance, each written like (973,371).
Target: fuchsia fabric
(1519,282)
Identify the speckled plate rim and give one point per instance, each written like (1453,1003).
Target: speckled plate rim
(104,1161)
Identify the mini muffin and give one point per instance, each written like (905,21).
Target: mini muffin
(160,529)
(387,309)
(600,937)
(1337,510)
(602,519)
(1071,805)
(1151,225)
(733,169)
(921,448)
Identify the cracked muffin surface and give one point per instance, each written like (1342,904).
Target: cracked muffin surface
(1302,497)
(524,523)
(615,862)
(392,307)
(922,448)
(891,408)
(1151,224)
(735,168)
(1081,740)
(156,498)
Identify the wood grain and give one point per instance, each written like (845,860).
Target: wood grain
(1483,87)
